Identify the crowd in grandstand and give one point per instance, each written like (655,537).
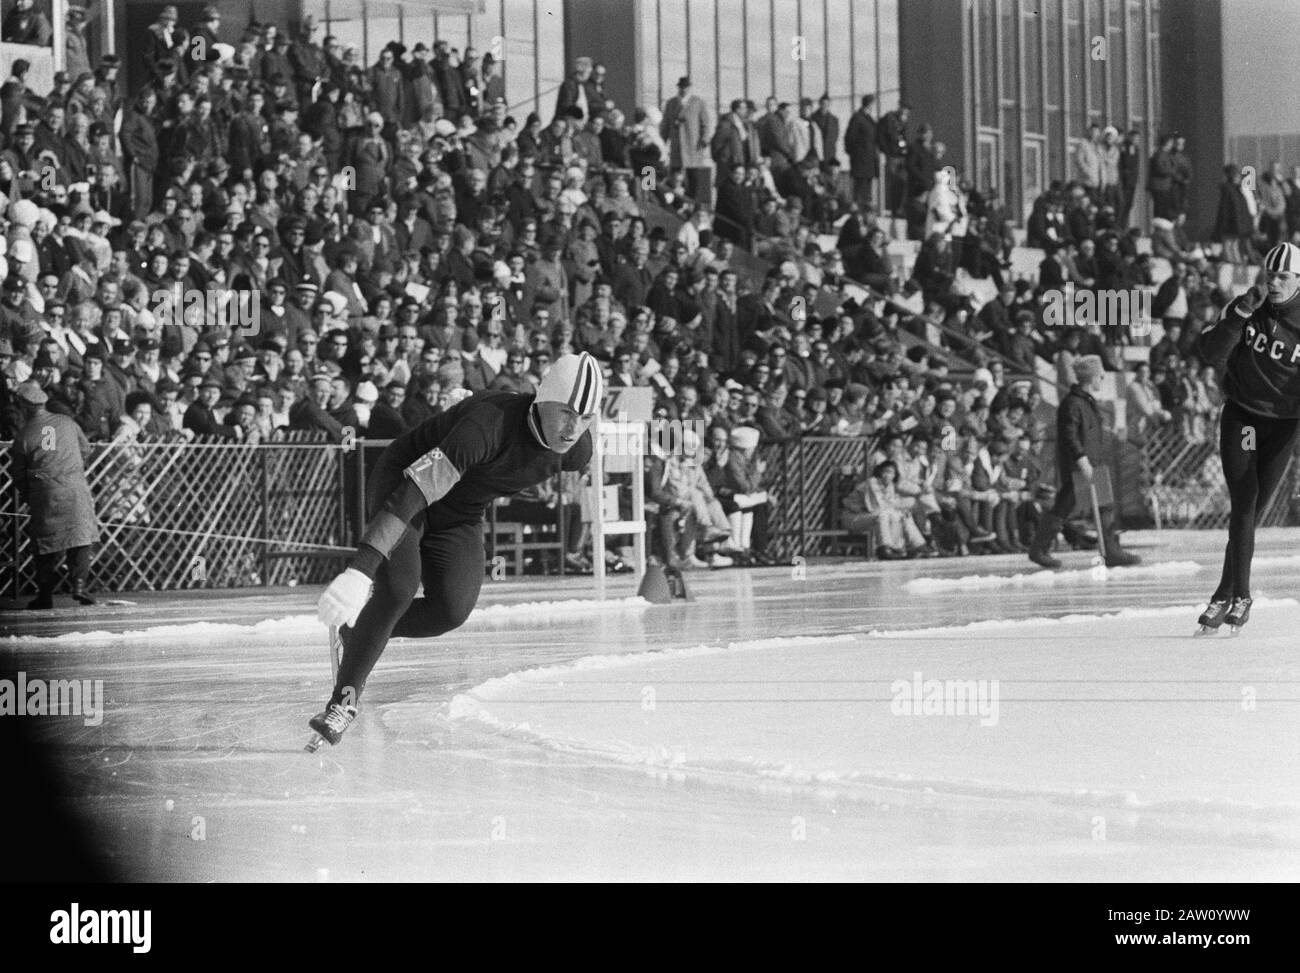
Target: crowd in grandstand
(368,239)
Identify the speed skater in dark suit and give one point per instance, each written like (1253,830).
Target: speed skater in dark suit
(431,487)
(1256,344)
(1078,450)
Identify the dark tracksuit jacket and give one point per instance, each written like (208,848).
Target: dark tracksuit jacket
(1259,356)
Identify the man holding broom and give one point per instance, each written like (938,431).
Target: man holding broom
(1078,454)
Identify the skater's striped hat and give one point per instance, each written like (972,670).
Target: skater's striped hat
(1283,259)
(575,380)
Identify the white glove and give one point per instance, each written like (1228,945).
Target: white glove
(342,601)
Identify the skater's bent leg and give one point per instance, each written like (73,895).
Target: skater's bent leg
(452,567)
(396,583)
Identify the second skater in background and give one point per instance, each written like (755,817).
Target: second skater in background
(1256,343)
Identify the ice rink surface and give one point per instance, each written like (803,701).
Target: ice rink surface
(848,720)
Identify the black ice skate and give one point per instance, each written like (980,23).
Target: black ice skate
(1212,617)
(1238,615)
(328,726)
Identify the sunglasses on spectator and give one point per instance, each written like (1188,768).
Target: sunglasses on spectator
(203,358)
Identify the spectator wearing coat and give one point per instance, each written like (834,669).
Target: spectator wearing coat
(685,127)
(49,456)
(860,145)
(735,143)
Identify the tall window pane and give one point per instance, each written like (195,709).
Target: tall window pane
(703,57)
(1008,57)
(986,60)
(1056,165)
(1033,67)
(1052,50)
(551,69)
(1153,52)
(1076,58)
(890,72)
(864,55)
(785,28)
(1116,63)
(521,62)
(839,56)
(986,164)
(731,52)
(1137,62)
(758,47)
(814,33)
(1010,161)
(1096,67)
(673,62)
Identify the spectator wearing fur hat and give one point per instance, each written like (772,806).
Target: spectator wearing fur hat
(1078,450)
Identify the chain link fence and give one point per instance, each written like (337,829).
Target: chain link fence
(1180,482)
(199,514)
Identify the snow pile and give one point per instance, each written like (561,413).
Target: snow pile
(296,627)
(1050,579)
(468,704)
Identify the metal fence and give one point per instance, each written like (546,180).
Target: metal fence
(200,514)
(803,476)
(1180,481)
(213,514)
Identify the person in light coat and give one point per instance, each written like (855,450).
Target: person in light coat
(686,127)
(945,209)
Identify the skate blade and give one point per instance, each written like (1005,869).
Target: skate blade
(315,743)
(1203,631)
